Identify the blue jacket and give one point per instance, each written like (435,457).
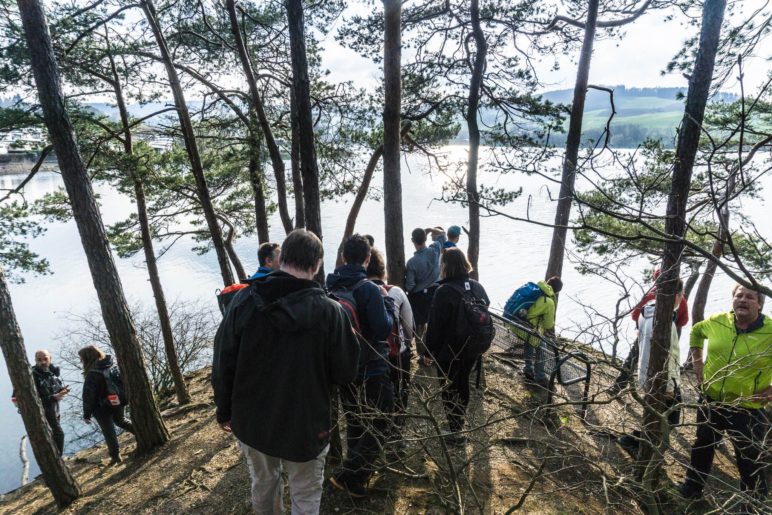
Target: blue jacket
(262,271)
(374,319)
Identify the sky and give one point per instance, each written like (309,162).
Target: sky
(635,60)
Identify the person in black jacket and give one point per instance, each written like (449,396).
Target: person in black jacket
(369,400)
(280,349)
(96,402)
(51,390)
(445,346)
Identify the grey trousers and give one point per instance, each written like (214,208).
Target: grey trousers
(305,482)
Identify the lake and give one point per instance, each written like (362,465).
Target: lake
(511,253)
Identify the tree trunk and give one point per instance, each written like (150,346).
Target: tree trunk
(180,388)
(297,178)
(573,142)
(256,179)
(655,425)
(150,429)
(257,104)
(694,275)
(701,296)
(302,88)
(473,104)
(231,250)
(55,473)
(191,146)
(392,183)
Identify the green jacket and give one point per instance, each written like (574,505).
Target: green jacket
(736,365)
(541,315)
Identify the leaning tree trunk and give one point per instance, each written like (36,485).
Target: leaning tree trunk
(148,424)
(302,89)
(473,106)
(297,178)
(191,146)
(655,424)
(573,142)
(392,183)
(694,275)
(257,103)
(703,288)
(55,473)
(256,180)
(180,388)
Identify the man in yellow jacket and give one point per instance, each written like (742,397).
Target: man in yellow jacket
(735,376)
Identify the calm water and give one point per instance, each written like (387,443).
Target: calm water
(511,253)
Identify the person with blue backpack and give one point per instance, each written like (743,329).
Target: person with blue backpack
(104,397)
(369,400)
(533,305)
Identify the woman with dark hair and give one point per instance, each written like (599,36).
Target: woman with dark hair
(445,345)
(103,397)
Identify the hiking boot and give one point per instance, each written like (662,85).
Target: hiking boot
(689,491)
(356,491)
(115,461)
(630,444)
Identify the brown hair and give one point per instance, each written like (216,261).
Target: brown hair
(302,249)
(89,357)
(454,264)
(377,265)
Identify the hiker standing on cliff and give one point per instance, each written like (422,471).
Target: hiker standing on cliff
(735,379)
(282,346)
(369,400)
(454,233)
(268,259)
(421,274)
(453,352)
(51,390)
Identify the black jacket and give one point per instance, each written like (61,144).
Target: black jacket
(374,317)
(441,337)
(95,386)
(281,347)
(48,384)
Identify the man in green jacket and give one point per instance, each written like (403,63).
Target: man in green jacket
(735,376)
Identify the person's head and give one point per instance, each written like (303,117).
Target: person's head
(370,239)
(555,283)
(679,294)
(454,264)
(376,268)
(454,233)
(43,359)
(747,303)
(302,253)
(418,237)
(269,255)
(356,250)
(89,357)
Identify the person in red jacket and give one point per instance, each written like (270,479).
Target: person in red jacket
(682,318)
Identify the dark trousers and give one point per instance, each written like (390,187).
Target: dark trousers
(627,368)
(400,380)
(746,429)
(52,416)
(368,405)
(108,418)
(454,381)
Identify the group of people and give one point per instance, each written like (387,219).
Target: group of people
(103,397)
(734,377)
(287,342)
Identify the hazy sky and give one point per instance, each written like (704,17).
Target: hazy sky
(634,60)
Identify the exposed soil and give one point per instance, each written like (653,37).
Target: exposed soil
(518,455)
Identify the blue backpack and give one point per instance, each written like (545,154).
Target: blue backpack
(524,297)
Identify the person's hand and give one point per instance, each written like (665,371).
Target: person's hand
(87,420)
(60,395)
(226,426)
(427,361)
(764,395)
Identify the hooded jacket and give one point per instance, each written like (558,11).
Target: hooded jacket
(262,271)
(442,339)
(95,386)
(541,314)
(48,384)
(282,346)
(374,317)
(738,364)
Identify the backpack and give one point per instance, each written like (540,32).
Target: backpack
(396,336)
(521,300)
(116,394)
(345,297)
(226,295)
(474,324)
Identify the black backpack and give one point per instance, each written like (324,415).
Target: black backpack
(115,392)
(474,324)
